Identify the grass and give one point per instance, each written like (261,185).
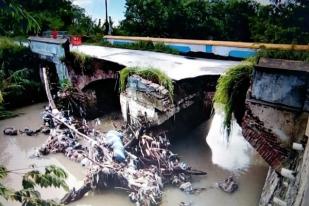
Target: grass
(80,58)
(9,47)
(152,74)
(4,114)
(65,84)
(19,76)
(142,45)
(284,54)
(232,88)
(80,61)
(6,42)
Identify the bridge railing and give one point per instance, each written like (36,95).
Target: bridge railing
(221,48)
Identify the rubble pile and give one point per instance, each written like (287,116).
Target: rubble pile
(132,160)
(229,185)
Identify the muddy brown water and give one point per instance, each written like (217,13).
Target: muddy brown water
(193,149)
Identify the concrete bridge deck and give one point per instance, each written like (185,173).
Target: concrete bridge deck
(175,66)
(276,110)
(193,87)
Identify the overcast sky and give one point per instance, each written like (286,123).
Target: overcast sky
(96,8)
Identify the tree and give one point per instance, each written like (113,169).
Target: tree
(145,17)
(28,196)
(13,17)
(285,23)
(234,20)
(237,15)
(81,23)
(19,17)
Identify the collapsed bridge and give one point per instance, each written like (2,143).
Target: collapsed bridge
(194,81)
(278,87)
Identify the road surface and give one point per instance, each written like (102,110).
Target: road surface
(175,66)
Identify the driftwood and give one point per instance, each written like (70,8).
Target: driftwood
(149,164)
(47,89)
(76,195)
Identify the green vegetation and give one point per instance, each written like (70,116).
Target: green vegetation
(152,74)
(235,20)
(142,45)
(4,114)
(284,54)
(232,87)
(29,196)
(65,84)
(14,18)
(231,91)
(81,62)
(80,58)
(19,17)
(19,76)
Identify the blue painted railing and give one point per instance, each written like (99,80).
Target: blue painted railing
(221,48)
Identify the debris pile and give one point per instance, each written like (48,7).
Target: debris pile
(229,185)
(11,131)
(132,160)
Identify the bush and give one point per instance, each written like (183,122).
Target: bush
(80,58)
(142,45)
(19,76)
(81,62)
(284,54)
(4,114)
(13,56)
(161,47)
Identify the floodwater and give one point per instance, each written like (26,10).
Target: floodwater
(248,168)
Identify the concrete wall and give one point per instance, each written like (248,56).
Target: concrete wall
(95,70)
(275,121)
(53,50)
(287,126)
(290,192)
(281,82)
(149,103)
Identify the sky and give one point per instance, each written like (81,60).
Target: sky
(96,9)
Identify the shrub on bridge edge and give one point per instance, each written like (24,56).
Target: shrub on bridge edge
(231,91)
(152,74)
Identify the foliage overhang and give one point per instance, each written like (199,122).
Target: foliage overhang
(232,88)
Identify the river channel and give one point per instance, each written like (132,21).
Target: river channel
(214,156)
